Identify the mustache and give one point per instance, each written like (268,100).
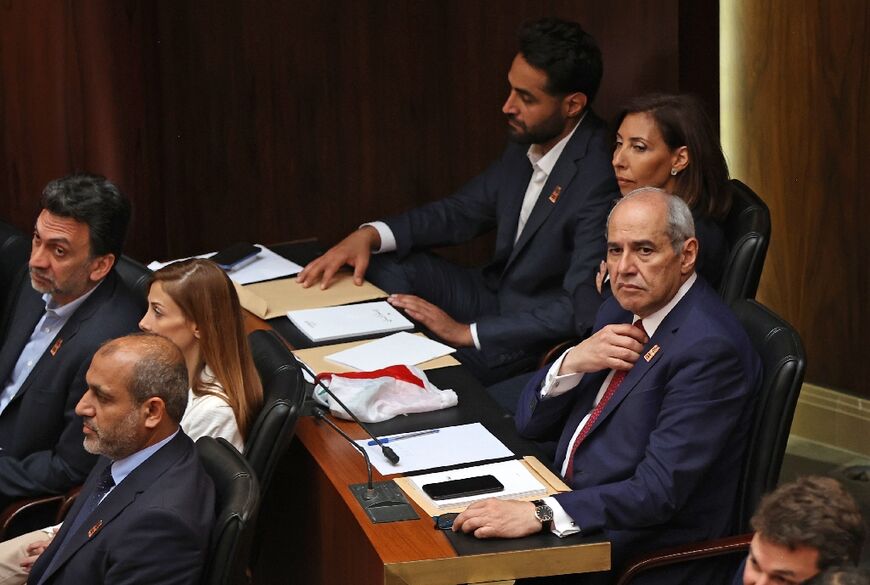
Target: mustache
(39,272)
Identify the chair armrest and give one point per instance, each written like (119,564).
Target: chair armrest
(554,352)
(20,508)
(68,500)
(684,553)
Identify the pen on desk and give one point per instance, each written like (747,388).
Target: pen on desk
(405,436)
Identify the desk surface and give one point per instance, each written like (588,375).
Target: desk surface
(313,531)
(342,545)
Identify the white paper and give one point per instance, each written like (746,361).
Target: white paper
(267,266)
(450,446)
(398,349)
(517,480)
(342,322)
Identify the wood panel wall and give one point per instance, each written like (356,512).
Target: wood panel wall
(795,92)
(272,120)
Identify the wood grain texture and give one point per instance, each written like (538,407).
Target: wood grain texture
(274,120)
(795,87)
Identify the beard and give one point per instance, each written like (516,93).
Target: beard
(76,285)
(540,133)
(117,442)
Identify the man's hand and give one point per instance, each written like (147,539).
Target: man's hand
(614,347)
(599,278)
(355,250)
(498,518)
(33,550)
(433,318)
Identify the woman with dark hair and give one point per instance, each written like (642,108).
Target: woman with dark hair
(194,304)
(668,141)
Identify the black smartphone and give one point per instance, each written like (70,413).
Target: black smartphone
(232,256)
(460,488)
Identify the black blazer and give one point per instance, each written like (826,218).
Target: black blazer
(535,279)
(154,527)
(41,437)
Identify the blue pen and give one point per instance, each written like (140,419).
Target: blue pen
(386,440)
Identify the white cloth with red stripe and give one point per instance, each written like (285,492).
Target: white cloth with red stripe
(382,394)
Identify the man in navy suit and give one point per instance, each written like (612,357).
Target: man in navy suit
(146,511)
(651,412)
(547,198)
(69,302)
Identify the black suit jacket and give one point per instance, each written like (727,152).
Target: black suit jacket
(40,434)
(154,527)
(553,263)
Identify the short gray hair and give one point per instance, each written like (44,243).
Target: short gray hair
(159,372)
(680,224)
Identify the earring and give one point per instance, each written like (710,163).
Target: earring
(673,171)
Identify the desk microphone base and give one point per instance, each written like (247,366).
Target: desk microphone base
(386,504)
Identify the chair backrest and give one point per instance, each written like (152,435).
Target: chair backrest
(784,362)
(237,504)
(747,232)
(14,251)
(283,393)
(135,275)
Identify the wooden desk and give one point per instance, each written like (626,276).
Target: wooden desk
(317,533)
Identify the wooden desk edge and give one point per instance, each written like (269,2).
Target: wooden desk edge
(500,566)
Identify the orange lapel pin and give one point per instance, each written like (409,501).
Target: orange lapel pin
(554,196)
(56,346)
(651,353)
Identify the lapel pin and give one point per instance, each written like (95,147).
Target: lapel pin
(652,352)
(56,346)
(554,196)
(95,528)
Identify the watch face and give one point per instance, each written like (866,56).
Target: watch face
(544,513)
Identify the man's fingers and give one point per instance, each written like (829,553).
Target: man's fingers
(360,266)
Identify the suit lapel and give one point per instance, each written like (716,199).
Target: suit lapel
(653,351)
(26,314)
(554,189)
(118,499)
(68,332)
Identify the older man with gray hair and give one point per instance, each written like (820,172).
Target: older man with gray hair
(651,412)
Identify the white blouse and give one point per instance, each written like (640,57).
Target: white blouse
(211,416)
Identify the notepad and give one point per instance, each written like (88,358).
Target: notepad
(518,482)
(401,348)
(331,323)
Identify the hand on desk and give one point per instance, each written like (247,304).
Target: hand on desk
(498,518)
(355,250)
(435,319)
(614,347)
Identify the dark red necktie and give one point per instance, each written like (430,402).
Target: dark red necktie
(615,381)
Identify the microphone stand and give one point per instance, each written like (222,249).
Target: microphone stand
(388,452)
(382,501)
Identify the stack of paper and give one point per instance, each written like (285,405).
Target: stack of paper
(517,480)
(398,349)
(330,323)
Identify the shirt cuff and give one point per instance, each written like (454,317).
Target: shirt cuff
(556,385)
(388,240)
(474,337)
(563,524)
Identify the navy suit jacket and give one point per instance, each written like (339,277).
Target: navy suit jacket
(553,264)
(153,527)
(661,463)
(41,437)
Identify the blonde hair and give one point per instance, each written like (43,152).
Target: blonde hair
(206,297)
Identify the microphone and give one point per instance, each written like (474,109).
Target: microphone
(320,414)
(391,455)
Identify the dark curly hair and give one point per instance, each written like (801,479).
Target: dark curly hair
(814,512)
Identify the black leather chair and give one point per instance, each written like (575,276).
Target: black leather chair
(784,363)
(747,232)
(237,505)
(283,394)
(135,275)
(14,252)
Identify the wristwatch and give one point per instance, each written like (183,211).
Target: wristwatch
(544,514)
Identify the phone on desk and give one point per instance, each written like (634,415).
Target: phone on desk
(235,256)
(460,488)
